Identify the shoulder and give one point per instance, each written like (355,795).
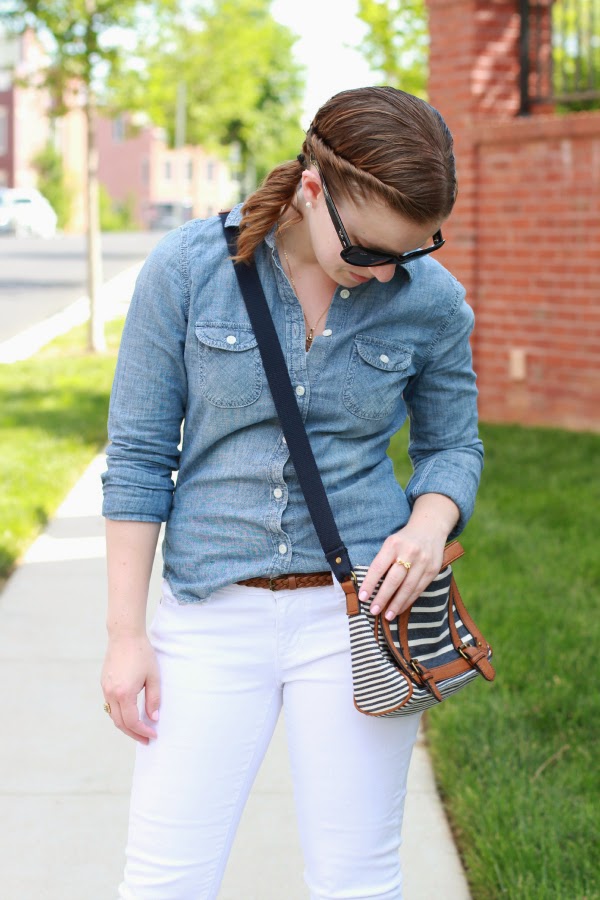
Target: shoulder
(200,239)
(435,286)
(436,298)
(205,247)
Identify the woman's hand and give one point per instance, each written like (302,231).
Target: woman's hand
(420,544)
(130,664)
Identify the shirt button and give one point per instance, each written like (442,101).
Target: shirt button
(327,332)
(345,294)
(384,358)
(300,391)
(283,549)
(231,339)
(283,440)
(278,493)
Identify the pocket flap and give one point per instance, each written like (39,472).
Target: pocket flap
(226,336)
(382,354)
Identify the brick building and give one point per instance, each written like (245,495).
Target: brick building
(165,184)
(525,235)
(24,111)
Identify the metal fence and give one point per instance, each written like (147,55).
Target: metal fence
(560,54)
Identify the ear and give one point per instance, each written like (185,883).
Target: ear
(311,186)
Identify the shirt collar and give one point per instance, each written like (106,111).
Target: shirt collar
(235,216)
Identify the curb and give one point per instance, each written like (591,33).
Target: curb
(28,342)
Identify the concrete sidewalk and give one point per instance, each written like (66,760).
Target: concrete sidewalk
(65,770)
(113,301)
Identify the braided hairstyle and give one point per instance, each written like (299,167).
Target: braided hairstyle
(372,142)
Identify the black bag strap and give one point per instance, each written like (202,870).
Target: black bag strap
(289,415)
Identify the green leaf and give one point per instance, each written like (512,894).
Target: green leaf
(397,43)
(242,85)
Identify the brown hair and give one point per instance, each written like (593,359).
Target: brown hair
(373,141)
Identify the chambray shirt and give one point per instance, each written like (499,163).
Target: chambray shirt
(387,351)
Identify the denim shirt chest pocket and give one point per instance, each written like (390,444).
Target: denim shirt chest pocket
(377,374)
(229,364)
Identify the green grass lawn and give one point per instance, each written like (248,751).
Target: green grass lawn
(518,760)
(53,410)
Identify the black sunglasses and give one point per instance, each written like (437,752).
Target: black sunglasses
(360,256)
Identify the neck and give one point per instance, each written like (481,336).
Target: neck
(297,236)
(312,282)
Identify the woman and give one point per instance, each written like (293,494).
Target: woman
(373,329)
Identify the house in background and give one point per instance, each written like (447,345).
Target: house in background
(164,186)
(24,111)
(167,186)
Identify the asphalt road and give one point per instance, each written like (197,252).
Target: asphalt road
(39,278)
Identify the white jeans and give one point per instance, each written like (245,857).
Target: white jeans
(227,667)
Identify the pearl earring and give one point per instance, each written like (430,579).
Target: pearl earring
(309,204)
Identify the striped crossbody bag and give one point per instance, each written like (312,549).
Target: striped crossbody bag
(432,649)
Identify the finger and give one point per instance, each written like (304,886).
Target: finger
(397,574)
(400,601)
(136,737)
(410,590)
(132,721)
(152,699)
(117,720)
(395,578)
(138,726)
(378,570)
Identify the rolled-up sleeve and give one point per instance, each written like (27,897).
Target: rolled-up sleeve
(149,393)
(444,446)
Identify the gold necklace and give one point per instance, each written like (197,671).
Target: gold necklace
(287,259)
(311,329)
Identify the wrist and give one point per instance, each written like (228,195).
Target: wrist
(437,512)
(120,631)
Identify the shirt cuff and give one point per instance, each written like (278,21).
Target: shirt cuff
(455,482)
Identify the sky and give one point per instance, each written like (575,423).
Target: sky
(328,30)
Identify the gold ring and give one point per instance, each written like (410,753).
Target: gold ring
(107,707)
(401,562)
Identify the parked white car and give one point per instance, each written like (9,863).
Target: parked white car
(25,211)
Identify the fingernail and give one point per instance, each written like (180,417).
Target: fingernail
(390,615)
(154,716)
(375,609)
(363,595)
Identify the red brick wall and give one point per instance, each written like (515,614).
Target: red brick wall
(538,270)
(525,235)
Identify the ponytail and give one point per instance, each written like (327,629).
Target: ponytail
(266,205)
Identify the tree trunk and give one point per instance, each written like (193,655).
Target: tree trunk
(247,173)
(96,338)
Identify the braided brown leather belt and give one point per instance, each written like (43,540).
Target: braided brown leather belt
(290,582)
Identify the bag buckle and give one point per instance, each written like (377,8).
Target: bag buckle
(426,678)
(416,665)
(461,649)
